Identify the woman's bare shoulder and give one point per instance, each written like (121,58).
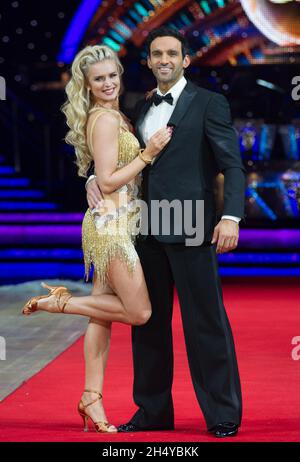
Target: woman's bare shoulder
(108,116)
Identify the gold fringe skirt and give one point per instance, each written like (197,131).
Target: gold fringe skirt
(114,240)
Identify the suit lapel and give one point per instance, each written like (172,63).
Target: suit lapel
(140,119)
(183,103)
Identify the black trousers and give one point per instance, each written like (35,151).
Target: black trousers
(208,337)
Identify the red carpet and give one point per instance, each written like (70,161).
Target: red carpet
(264,316)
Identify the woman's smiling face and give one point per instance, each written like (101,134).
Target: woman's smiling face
(103,79)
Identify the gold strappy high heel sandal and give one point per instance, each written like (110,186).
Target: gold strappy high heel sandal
(61,293)
(100,427)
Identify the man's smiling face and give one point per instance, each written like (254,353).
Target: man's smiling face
(166,60)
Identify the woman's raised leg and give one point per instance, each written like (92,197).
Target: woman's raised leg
(128,304)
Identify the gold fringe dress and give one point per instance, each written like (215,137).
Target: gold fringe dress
(110,231)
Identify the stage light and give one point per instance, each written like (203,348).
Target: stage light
(61,15)
(265,209)
(141,10)
(15,4)
(33,23)
(205,7)
(122,29)
(112,44)
(269,85)
(116,36)
(185,19)
(19,30)
(266,84)
(44,58)
(283,1)
(277,20)
(31,46)
(76,29)
(135,16)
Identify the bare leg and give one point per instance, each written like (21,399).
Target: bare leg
(126,301)
(130,290)
(130,304)
(96,349)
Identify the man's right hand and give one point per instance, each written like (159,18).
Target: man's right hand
(93,194)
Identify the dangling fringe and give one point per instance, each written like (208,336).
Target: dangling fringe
(100,249)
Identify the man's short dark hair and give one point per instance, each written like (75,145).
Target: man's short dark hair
(167,32)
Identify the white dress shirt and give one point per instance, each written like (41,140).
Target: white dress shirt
(158,117)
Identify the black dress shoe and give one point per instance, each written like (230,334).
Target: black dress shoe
(131,427)
(224,429)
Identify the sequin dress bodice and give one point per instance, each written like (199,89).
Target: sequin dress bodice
(110,229)
(128,148)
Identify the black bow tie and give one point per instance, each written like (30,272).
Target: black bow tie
(157,99)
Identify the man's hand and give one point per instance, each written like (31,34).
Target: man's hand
(226,234)
(94,195)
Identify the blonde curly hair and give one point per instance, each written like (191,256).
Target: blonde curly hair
(79,103)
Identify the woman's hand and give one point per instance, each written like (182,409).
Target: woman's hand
(150,93)
(158,141)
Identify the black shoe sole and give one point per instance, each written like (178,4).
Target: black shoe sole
(226,436)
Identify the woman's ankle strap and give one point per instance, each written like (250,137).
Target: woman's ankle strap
(94,391)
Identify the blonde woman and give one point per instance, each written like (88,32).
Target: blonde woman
(102,137)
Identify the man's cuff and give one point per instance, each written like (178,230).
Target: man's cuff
(230,217)
(90,178)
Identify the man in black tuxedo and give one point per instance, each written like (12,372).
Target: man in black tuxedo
(203,144)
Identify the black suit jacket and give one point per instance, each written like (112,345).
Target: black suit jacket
(203,144)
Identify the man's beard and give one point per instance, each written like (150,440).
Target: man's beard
(168,78)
